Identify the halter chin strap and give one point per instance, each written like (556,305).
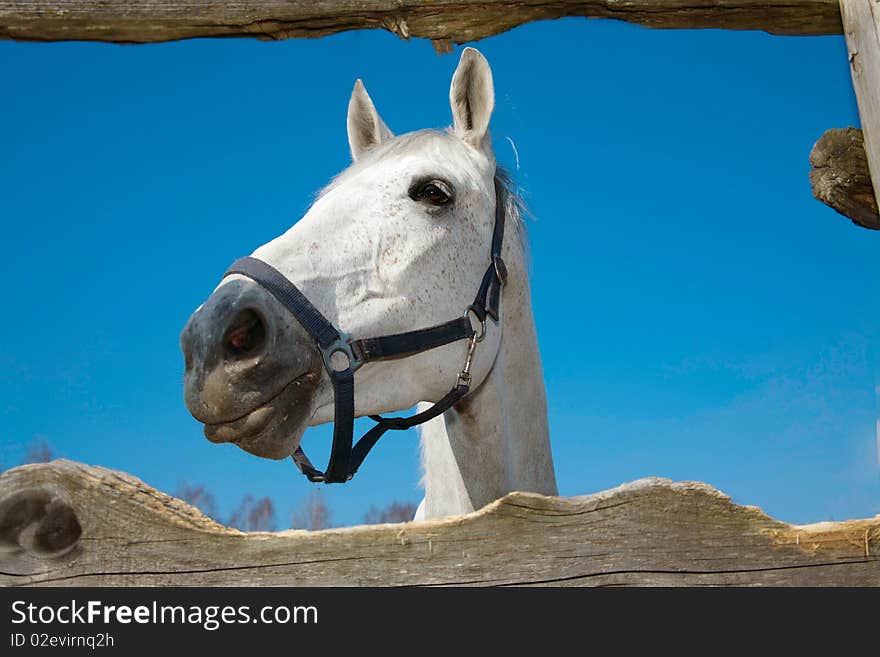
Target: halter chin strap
(343,355)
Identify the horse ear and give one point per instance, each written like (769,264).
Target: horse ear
(365,126)
(472,96)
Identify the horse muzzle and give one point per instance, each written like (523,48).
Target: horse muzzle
(251,371)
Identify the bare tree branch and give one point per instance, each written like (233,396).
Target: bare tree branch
(254,515)
(39,451)
(312,514)
(394,512)
(199,496)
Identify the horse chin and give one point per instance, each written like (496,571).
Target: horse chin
(273,430)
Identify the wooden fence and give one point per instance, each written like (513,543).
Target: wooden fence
(66,523)
(69,524)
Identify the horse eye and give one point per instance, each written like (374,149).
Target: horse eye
(435,192)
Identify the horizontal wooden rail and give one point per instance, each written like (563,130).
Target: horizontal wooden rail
(68,524)
(443,21)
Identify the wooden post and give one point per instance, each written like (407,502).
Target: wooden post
(861,25)
(840,176)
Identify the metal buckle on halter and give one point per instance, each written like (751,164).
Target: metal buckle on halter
(500,269)
(464,377)
(340,346)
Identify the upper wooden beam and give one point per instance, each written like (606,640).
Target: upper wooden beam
(442,21)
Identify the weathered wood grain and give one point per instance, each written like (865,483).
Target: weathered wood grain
(443,21)
(861,19)
(840,177)
(649,532)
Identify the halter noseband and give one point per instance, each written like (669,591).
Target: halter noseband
(343,355)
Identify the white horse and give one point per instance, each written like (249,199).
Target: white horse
(398,241)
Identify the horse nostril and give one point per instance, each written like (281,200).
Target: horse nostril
(246,334)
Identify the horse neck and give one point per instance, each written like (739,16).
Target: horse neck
(496,439)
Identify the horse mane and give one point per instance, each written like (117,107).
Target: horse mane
(515,208)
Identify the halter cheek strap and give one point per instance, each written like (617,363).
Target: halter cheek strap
(343,355)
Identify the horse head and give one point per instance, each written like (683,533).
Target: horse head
(397,241)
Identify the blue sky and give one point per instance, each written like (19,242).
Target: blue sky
(700,315)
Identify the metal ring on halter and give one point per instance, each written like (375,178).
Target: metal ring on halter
(482,334)
(340,346)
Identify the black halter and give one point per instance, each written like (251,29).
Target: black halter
(349,354)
